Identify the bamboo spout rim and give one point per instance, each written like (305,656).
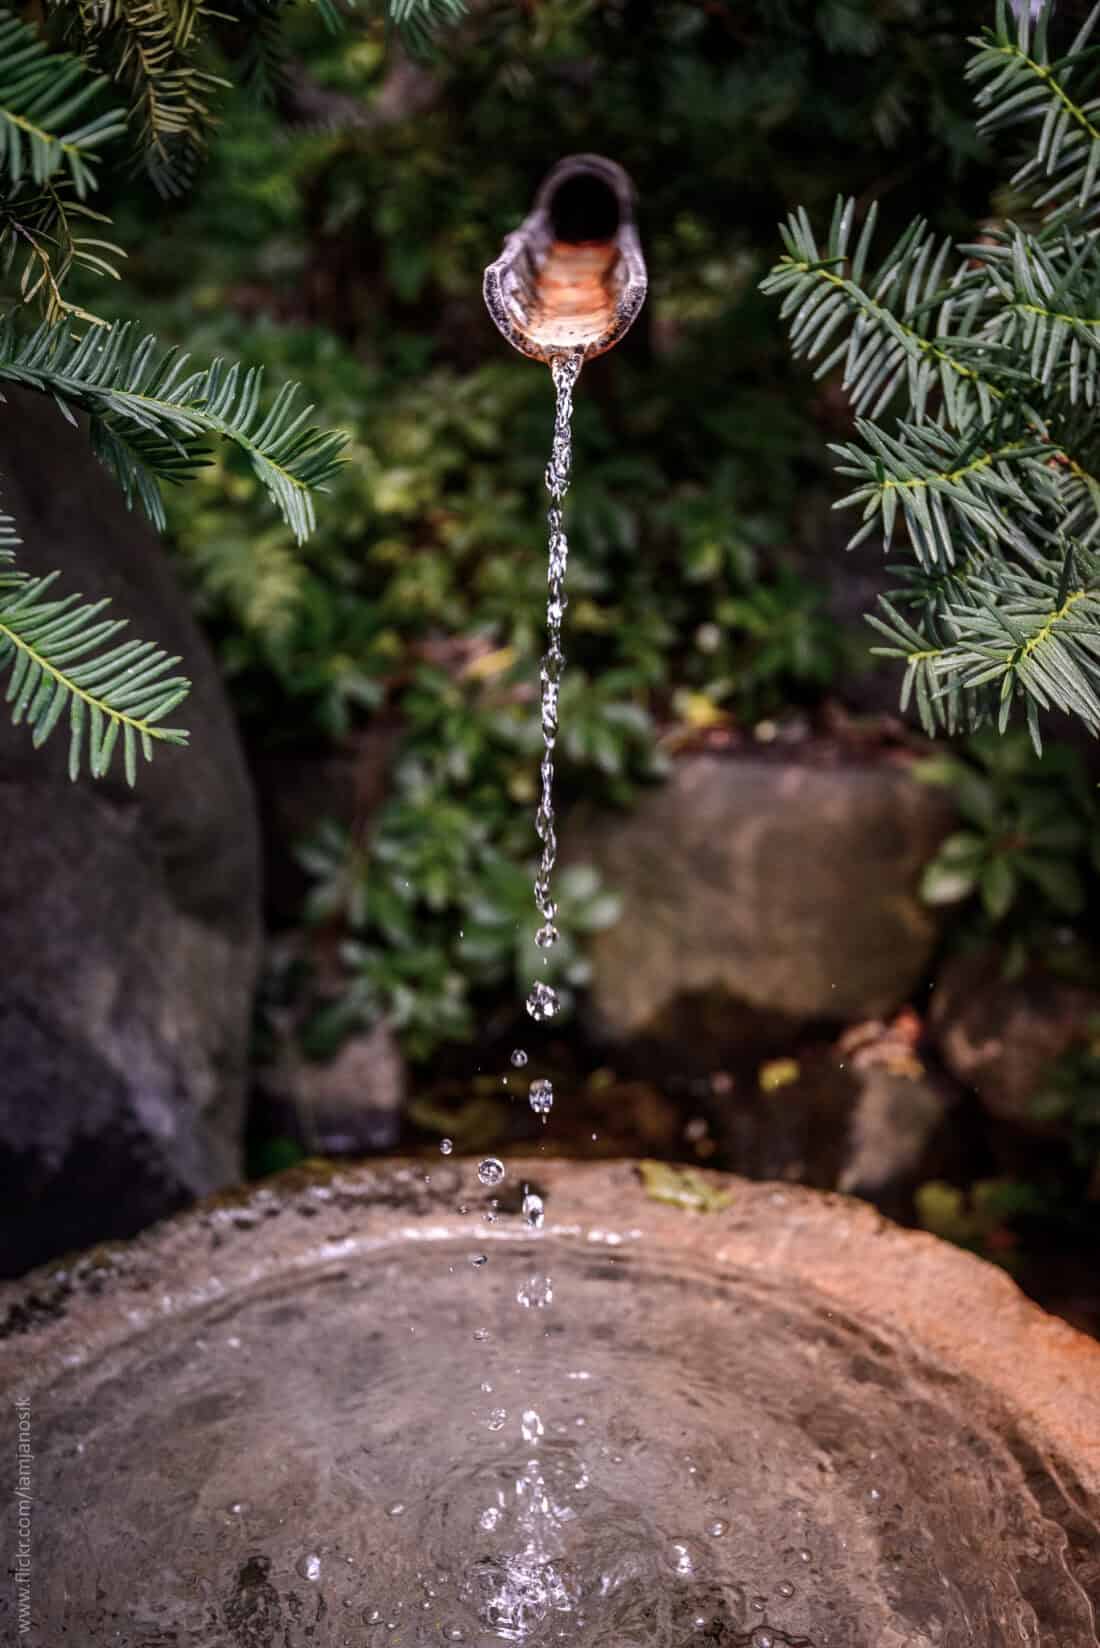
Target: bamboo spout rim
(557,288)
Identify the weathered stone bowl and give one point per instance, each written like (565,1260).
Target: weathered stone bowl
(351,1409)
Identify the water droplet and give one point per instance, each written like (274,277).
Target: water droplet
(717,1528)
(531,1426)
(785,1588)
(489,1518)
(446,1146)
(497,1418)
(681,1558)
(396,1509)
(759,1603)
(491,1170)
(309,1567)
(761,1638)
(547,936)
(486,1387)
(533,1210)
(542,1003)
(519,1058)
(805,1556)
(537,1293)
(541,1096)
(479,1259)
(481,1334)
(874,1494)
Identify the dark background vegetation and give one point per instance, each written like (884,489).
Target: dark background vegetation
(384,674)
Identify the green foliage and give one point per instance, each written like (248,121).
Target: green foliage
(151,50)
(433,912)
(47,163)
(65,659)
(149,414)
(991,347)
(164,55)
(778,643)
(41,96)
(1029,845)
(150,418)
(347,254)
(1021,84)
(979,1218)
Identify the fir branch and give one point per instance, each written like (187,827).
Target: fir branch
(897,323)
(151,49)
(1018,634)
(1045,306)
(38,235)
(419,22)
(992,474)
(948,491)
(1020,84)
(152,418)
(64,658)
(42,94)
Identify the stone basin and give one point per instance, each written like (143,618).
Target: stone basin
(347,1408)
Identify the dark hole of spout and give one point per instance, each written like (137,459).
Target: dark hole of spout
(584,207)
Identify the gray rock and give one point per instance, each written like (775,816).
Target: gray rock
(761,895)
(871,1129)
(129,920)
(891,1131)
(1000,1035)
(345,1105)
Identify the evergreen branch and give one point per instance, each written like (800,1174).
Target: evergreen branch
(38,232)
(1047,306)
(952,495)
(263,62)
(1020,634)
(41,95)
(899,320)
(150,48)
(419,22)
(152,419)
(9,542)
(994,481)
(64,656)
(1020,84)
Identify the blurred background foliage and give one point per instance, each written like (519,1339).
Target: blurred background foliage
(337,233)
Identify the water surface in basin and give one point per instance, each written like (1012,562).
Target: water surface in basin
(388,1449)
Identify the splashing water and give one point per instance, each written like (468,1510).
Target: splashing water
(542,1003)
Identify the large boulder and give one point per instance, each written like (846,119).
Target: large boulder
(762,894)
(129,920)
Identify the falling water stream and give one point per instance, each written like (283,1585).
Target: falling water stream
(542,1002)
(543,1565)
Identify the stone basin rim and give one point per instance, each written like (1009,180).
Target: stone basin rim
(954,1309)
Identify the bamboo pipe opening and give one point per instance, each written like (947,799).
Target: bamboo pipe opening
(572,275)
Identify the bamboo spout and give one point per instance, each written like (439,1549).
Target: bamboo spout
(572,276)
